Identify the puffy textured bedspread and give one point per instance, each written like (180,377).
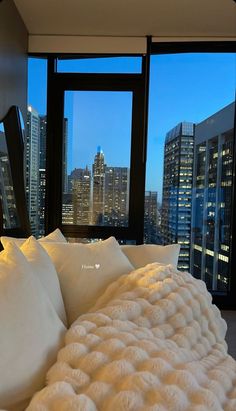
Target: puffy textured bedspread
(153,342)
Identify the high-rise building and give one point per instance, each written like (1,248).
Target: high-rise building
(67,209)
(98,187)
(42,174)
(150,218)
(64,156)
(41,196)
(212,195)
(32,167)
(42,145)
(177,189)
(80,191)
(116,198)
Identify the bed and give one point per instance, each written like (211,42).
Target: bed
(130,338)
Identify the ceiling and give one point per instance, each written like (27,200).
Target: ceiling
(161,18)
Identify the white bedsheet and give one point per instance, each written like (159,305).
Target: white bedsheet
(153,342)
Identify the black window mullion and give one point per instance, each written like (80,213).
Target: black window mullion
(54,150)
(192,47)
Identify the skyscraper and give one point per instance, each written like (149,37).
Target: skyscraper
(43,140)
(98,187)
(116,200)
(80,180)
(177,189)
(150,218)
(64,156)
(67,209)
(42,173)
(212,192)
(32,167)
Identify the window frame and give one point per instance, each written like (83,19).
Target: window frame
(57,84)
(14,135)
(222,301)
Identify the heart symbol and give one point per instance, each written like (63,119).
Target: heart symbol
(97,266)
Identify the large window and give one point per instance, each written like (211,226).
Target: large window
(96,149)
(99,154)
(190,161)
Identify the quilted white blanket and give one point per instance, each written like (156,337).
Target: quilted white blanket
(153,342)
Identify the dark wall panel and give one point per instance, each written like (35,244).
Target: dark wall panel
(13,59)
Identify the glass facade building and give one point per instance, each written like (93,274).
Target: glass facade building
(98,187)
(80,186)
(32,167)
(212,198)
(177,190)
(151,218)
(42,173)
(116,199)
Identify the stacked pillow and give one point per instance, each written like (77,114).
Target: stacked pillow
(54,236)
(42,267)
(141,255)
(85,271)
(31,331)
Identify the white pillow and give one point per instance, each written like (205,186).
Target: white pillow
(56,235)
(31,331)
(85,270)
(141,255)
(44,269)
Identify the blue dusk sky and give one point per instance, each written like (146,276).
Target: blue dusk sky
(183,87)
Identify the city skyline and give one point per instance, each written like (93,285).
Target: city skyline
(197,192)
(189,204)
(99,195)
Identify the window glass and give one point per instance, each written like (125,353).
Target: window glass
(190,159)
(96,157)
(100,65)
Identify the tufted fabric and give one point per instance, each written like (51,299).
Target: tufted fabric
(154,341)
